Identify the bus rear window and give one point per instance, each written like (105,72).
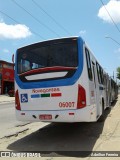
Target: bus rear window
(42,56)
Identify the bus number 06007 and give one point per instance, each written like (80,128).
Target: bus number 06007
(66,104)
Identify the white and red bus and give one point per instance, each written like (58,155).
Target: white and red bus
(59,80)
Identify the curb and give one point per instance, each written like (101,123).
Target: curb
(15,133)
(6,102)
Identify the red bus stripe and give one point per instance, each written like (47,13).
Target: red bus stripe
(47,69)
(56,94)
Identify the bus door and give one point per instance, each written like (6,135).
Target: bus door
(93,66)
(95,88)
(107,90)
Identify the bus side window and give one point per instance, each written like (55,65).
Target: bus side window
(100,74)
(89,64)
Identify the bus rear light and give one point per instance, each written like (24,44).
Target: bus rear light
(17,101)
(71,113)
(81,97)
(22,114)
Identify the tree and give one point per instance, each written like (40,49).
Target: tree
(118,73)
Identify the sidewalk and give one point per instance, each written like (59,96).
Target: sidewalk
(6,99)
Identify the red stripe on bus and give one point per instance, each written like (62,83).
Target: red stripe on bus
(47,69)
(56,94)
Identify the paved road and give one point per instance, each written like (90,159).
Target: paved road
(102,136)
(7,118)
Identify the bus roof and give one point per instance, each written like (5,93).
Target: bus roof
(55,39)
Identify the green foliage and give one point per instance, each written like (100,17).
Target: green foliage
(118,72)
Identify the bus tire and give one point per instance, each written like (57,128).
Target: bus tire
(108,108)
(102,117)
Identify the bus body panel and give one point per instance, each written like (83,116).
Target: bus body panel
(78,115)
(57,100)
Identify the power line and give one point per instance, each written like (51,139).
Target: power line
(110,16)
(35,18)
(20,23)
(113,40)
(51,17)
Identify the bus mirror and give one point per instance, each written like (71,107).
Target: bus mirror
(13,58)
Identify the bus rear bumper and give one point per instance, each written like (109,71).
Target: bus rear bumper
(87,114)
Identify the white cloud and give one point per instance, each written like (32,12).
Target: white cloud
(6,51)
(16,31)
(82,32)
(113,7)
(117,51)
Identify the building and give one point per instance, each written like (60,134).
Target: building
(6,76)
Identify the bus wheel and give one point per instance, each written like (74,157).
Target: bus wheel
(108,108)
(102,117)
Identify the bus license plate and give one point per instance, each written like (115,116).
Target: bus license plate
(45,117)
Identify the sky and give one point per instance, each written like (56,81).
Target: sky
(23,22)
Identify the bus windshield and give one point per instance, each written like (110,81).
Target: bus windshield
(62,54)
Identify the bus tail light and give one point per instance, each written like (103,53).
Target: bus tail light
(17,101)
(81,97)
